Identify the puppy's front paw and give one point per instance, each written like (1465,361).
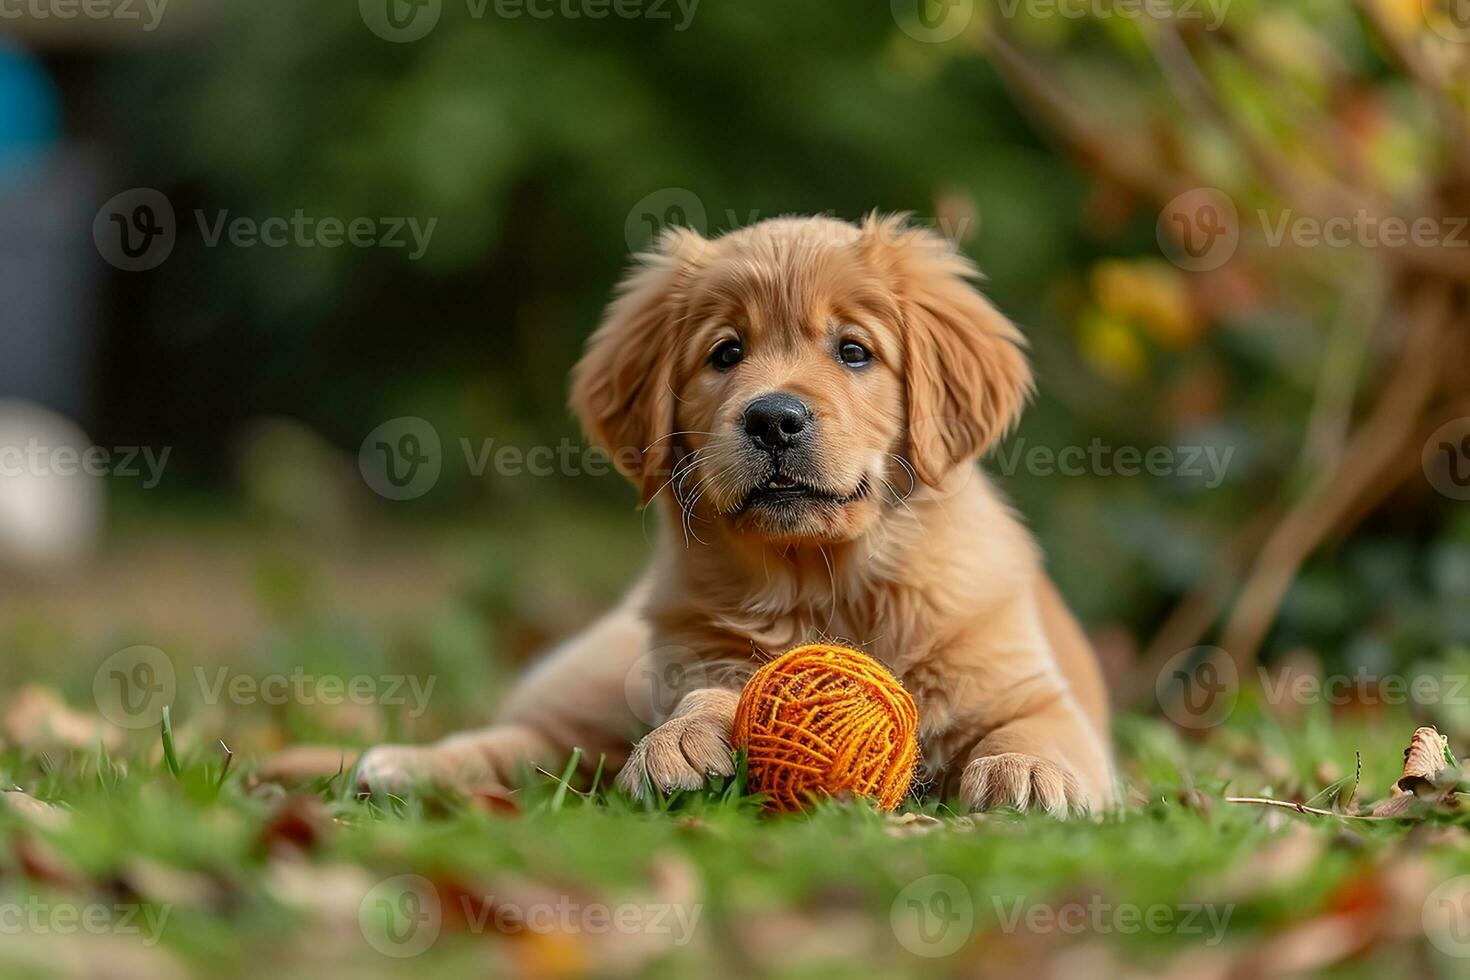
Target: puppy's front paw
(1022,781)
(679,754)
(393,768)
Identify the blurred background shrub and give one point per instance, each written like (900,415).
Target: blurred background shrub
(543,150)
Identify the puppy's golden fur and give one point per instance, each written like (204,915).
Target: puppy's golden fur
(881,531)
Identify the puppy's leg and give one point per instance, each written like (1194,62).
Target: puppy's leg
(691,746)
(488,755)
(1004,721)
(574,698)
(1047,757)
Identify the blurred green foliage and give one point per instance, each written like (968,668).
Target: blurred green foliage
(544,146)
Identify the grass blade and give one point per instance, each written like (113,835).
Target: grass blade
(565,783)
(169,755)
(597,776)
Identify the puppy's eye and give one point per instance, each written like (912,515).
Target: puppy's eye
(853,354)
(728,354)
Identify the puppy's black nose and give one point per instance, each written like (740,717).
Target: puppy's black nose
(775,421)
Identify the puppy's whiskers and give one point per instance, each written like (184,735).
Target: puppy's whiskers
(901,500)
(909,470)
(671,435)
(832,579)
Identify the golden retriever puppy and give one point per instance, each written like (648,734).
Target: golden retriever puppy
(804,402)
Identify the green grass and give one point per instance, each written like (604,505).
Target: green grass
(249,879)
(190,864)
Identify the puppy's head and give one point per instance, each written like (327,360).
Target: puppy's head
(793,380)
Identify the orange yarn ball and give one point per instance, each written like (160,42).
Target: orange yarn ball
(822,720)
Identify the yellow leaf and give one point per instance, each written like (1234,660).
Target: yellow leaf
(1153,295)
(1111,347)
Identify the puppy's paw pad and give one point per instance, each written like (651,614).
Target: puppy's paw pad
(1015,779)
(679,754)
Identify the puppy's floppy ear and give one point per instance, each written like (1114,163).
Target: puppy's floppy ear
(964,367)
(622,388)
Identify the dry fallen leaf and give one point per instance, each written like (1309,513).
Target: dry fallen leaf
(297,823)
(1426,757)
(36,811)
(44,864)
(494,799)
(1313,945)
(1428,781)
(38,719)
(163,884)
(85,956)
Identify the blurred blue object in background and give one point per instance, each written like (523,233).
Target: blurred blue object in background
(47,264)
(30,113)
